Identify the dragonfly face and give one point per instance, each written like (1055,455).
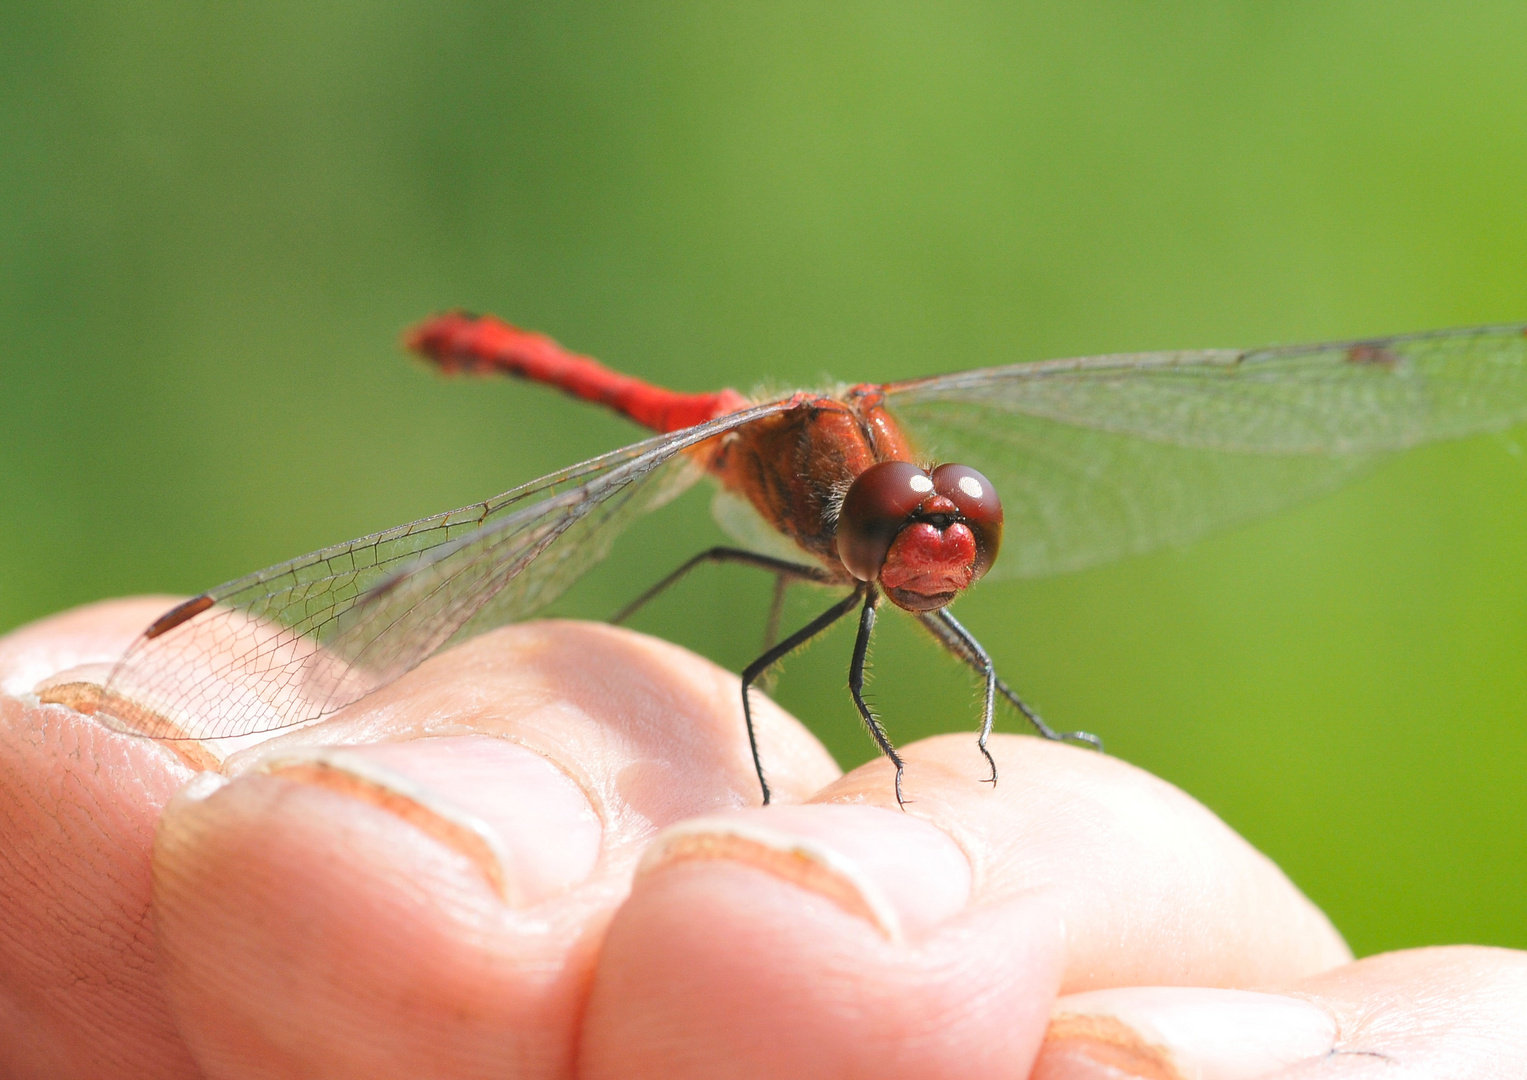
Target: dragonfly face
(924,536)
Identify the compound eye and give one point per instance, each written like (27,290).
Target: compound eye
(979,506)
(879,502)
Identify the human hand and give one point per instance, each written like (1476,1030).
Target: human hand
(528,858)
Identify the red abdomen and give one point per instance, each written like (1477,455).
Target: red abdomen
(457,340)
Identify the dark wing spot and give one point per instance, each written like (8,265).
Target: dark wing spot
(1372,355)
(178,614)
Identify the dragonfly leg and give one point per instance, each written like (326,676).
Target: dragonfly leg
(781,568)
(937,624)
(977,658)
(751,673)
(776,609)
(771,627)
(856,687)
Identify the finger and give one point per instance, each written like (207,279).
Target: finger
(419,887)
(847,936)
(1155,888)
(818,941)
(1426,1012)
(1438,1012)
(78,972)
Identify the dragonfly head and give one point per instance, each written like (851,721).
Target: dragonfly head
(923,535)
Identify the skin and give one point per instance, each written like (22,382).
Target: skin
(456,892)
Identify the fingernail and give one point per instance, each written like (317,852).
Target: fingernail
(80,688)
(898,873)
(525,823)
(1181,1033)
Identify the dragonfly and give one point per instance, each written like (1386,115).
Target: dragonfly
(860,488)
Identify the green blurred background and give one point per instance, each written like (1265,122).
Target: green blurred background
(215,220)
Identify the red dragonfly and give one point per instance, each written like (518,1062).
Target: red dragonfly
(854,488)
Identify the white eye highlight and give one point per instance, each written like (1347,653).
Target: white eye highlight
(921,484)
(971,486)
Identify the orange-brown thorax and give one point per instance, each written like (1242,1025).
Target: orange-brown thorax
(796,468)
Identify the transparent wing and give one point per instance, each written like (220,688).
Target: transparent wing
(295,642)
(744,524)
(1108,456)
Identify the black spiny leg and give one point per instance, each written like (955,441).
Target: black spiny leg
(977,658)
(856,687)
(957,640)
(776,609)
(782,569)
(771,627)
(763,663)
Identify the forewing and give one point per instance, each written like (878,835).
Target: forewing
(1108,456)
(293,643)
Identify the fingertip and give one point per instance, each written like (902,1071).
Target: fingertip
(77,811)
(822,941)
(305,926)
(1156,888)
